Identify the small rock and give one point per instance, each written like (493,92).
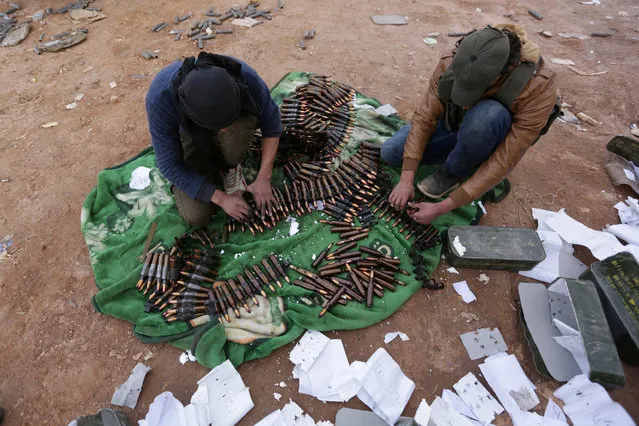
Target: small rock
(72,105)
(434,35)
(79,97)
(469,316)
(484,278)
(50,124)
(148,356)
(546,34)
(610,18)
(112,353)
(137,356)
(38,16)
(623,14)
(113,99)
(430,41)
(113,85)
(478,10)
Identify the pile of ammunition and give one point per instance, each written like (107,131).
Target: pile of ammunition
(421,273)
(320,106)
(184,283)
(348,275)
(345,193)
(426,236)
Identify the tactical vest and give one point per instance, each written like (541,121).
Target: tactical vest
(510,90)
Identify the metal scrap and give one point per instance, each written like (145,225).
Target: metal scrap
(16,34)
(148,55)
(63,42)
(79,4)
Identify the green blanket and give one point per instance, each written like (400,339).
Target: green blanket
(116,220)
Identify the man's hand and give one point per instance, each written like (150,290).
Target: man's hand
(427,212)
(233,205)
(263,193)
(402,193)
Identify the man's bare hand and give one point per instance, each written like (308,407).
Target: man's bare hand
(402,193)
(425,213)
(263,193)
(233,205)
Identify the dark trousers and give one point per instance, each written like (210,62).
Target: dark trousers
(484,127)
(233,145)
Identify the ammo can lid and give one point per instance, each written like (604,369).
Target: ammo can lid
(617,279)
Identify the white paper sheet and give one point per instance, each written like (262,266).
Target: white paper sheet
(464,291)
(308,349)
(273,419)
(422,415)
(385,389)
(524,418)
(575,345)
(386,110)
(475,395)
(554,411)
(559,261)
(601,244)
(140,178)
(165,410)
(589,403)
(630,175)
(627,233)
(389,337)
(458,404)
(126,395)
(628,211)
(229,398)
(293,415)
(509,382)
(443,414)
(329,379)
(452,270)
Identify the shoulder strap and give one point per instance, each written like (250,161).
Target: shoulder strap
(515,83)
(445,85)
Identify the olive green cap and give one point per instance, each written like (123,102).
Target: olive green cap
(478,62)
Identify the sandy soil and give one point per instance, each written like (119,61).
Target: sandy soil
(59,359)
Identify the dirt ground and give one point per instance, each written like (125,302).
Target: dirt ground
(59,359)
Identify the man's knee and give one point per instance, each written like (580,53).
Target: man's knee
(392,151)
(487,114)
(387,153)
(194,212)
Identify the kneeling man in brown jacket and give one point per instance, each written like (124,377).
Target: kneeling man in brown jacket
(487,103)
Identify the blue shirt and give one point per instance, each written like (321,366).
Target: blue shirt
(164,125)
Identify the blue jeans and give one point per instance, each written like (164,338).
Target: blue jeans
(484,127)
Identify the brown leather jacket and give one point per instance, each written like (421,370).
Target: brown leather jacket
(530,113)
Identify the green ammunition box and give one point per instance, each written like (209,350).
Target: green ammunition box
(518,249)
(625,147)
(617,281)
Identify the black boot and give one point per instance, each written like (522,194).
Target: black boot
(438,184)
(2,413)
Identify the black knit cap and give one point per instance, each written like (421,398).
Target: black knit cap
(210,97)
